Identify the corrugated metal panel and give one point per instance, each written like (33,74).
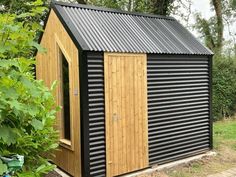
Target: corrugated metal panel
(178,107)
(98,29)
(97,154)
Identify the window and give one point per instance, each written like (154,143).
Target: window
(65,100)
(66,97)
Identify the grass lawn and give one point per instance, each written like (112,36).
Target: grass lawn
(224,145)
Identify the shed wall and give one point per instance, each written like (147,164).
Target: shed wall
(48,69)
(178,106)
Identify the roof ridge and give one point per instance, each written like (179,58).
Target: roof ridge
(92,7)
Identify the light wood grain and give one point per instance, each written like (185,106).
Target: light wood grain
(48,66)
(126,112)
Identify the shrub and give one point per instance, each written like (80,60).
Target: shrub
(224,87)
(27,107)
(26,114)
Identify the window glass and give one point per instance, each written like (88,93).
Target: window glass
(66,97)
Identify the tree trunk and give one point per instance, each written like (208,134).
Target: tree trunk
(162,7)
(235,50)
(129,5)
(220,26)
(81,1)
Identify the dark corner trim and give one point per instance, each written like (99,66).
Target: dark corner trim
(83,75)
(210,103)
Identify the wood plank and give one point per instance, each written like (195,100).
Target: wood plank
(126,112)
(145,111)
(107,113)
(123,130)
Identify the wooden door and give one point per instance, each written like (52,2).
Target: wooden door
(126,112)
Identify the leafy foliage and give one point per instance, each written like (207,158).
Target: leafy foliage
(3,168)
(160,7)
(22,6)
(27,107)
(224,87)
(17,33)
(26,115)
(214,29)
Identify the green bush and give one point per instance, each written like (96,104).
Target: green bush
(27,107)
(26,114)
(224,87)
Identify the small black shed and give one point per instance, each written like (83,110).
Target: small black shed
(135,89)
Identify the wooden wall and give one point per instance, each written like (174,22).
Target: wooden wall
(48,69)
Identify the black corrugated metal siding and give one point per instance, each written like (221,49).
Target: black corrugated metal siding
(97,154)
(178,107)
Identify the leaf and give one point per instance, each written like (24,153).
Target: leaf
(24,15)
(53,146)
(32,110)
(38,10)
(37,46)
(3,48)
(37,3)
(45,168)
(26,174)
(3,168)
(15,104)
(38,125)
(8,135)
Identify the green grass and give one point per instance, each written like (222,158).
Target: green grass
(224,137)
(225,130)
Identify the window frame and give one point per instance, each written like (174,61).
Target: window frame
(60,51)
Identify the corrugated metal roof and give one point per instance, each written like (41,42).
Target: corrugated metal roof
(99,29)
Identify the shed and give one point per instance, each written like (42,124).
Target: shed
(135,89)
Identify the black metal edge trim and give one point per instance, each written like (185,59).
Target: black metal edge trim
(69,27)
(112,10)
(83,79)
(151,53)
(210,103)
(178,55)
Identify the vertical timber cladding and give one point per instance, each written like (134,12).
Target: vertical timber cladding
(126,112)
(178,106)
(48,69)
(96,109)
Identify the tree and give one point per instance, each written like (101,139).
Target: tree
(162,7)
(219,27)
(19,6)
(81,1)
(213,29)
